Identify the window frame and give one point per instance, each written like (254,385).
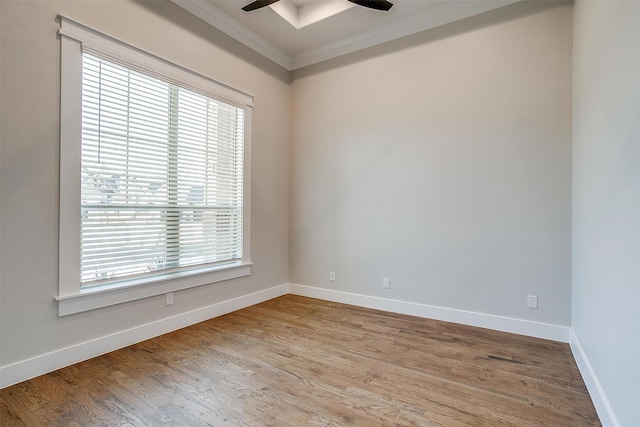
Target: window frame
(72,297)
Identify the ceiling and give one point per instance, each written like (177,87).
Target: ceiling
(297,33)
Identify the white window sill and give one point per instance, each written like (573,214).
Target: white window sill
(125,291)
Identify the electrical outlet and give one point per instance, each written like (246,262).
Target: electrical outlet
(332,276)
(168,298)
(386,283)
(532,301)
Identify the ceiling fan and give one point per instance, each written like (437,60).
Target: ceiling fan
(372,4)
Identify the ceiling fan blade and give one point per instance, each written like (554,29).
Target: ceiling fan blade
(258,4)
(374,4)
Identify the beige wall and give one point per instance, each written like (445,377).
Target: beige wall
(30,155)
(606,199)
(443,161)
(460,135)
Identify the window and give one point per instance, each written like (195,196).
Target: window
(154,175)
(161,175)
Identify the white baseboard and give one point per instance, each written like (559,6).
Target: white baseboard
(505,324)
(600,401)
(38,365)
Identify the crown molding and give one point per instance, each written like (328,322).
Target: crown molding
(448,12)
(232,27)
(444,14)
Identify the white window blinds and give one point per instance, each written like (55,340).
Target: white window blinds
(162,175)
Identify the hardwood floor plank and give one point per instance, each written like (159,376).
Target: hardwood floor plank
(296,361)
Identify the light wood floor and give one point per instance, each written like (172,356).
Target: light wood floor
(296,361)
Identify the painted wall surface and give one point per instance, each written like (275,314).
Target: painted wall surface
(30,88)
(442,161)
(606,198)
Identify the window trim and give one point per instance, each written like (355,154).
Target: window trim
(71,298)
